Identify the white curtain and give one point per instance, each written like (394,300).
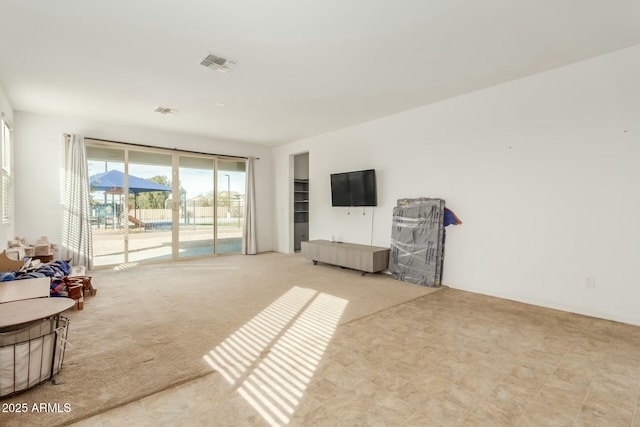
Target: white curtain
(76,217)
(249,246)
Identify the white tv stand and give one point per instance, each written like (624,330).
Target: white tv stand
(364,258)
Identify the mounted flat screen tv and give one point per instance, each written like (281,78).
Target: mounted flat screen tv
(356,188)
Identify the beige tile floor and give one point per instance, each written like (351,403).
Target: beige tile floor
(449,358)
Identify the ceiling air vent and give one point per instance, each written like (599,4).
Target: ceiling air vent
(165,110)
(222,65)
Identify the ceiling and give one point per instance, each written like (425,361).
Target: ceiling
(303,67)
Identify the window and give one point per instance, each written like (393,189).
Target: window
(205,216)
(7,206)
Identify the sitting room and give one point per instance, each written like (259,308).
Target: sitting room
(243,213)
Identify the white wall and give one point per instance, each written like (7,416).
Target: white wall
(7,231)
(39,161)
(543,171)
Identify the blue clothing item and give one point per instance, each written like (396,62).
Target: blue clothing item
(61,267)
(31,275)
(6,277)
(47,270)
(58,268)
(450,218)
(56,287)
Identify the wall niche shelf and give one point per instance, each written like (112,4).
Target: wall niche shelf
(300,211)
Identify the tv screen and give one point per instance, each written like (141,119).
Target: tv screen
(340,190)
(354,188)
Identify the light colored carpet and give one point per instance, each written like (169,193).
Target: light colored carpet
(150,326)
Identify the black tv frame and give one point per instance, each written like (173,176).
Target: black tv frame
(354,189)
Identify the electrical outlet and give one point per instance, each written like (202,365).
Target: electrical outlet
(590,282)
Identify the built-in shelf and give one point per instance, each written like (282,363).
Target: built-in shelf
(301,201)
(300,211)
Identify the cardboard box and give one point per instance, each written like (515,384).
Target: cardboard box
(16,290)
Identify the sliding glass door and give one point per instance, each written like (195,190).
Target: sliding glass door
(231,201)
(153,204)
(196,207)
(149,218)
(106,170)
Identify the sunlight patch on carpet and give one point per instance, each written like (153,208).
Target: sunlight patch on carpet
(272,358)
(125,266)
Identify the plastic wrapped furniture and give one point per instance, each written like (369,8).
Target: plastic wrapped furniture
(417,241)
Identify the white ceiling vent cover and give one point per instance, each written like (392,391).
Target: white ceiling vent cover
(221,65)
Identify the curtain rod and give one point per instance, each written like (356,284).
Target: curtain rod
(164,148)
